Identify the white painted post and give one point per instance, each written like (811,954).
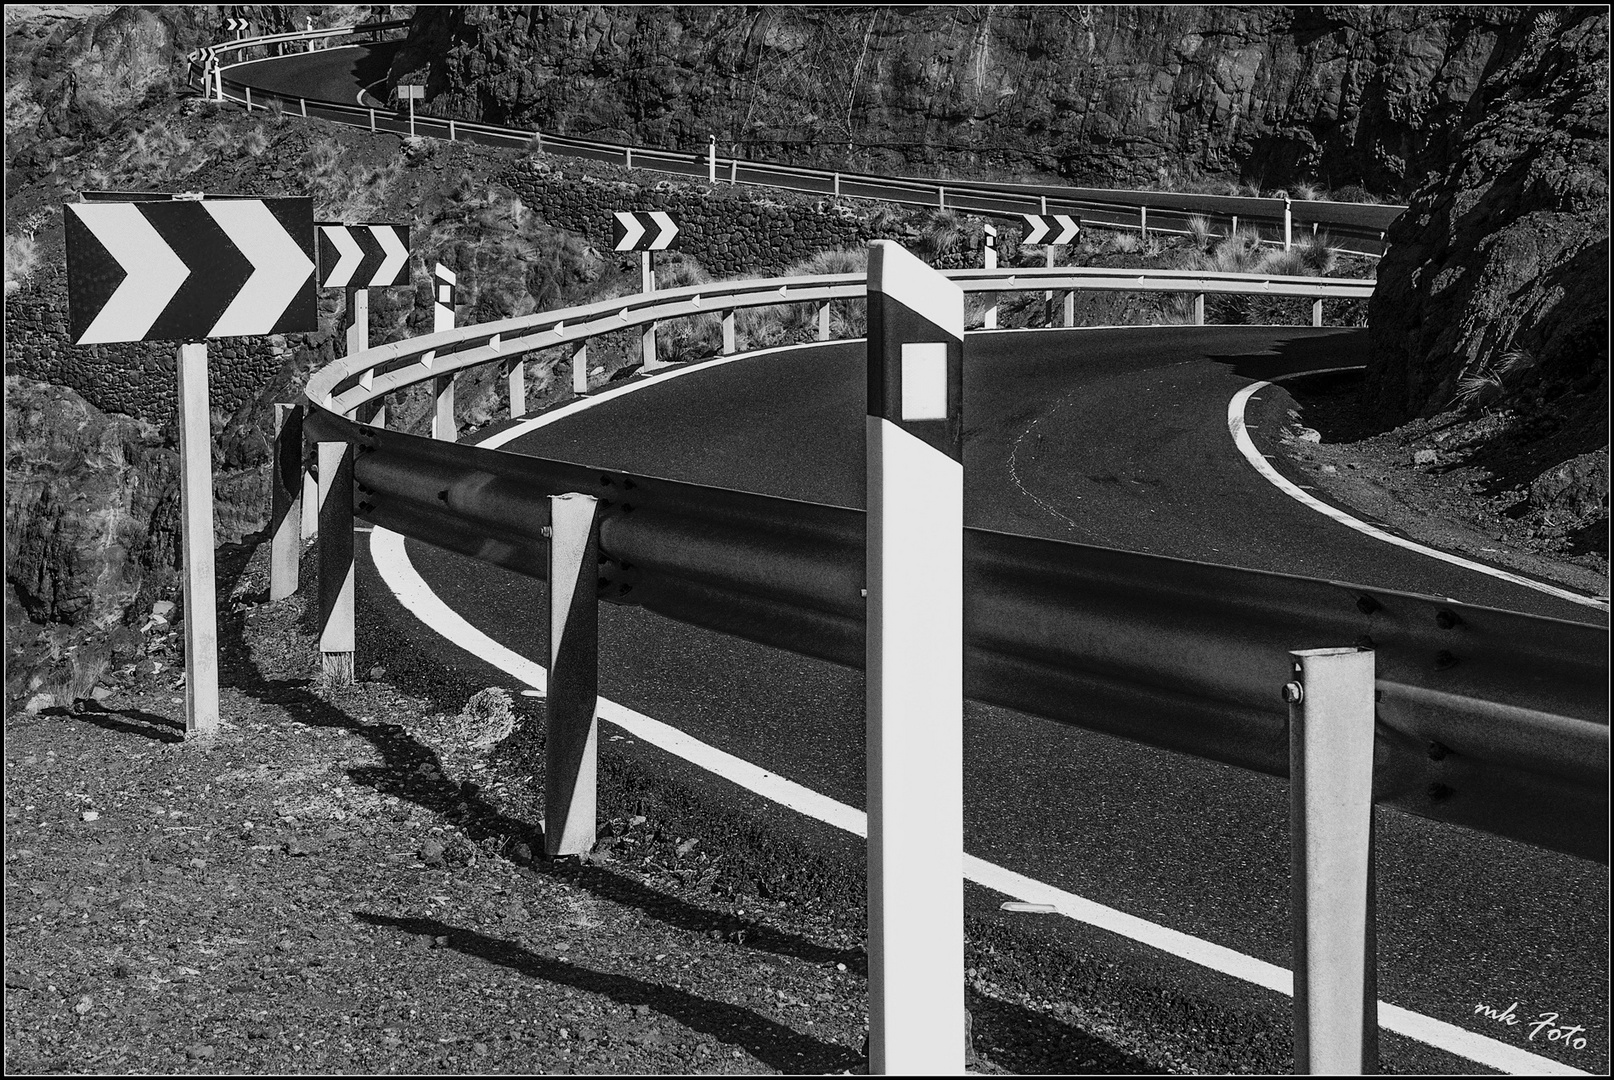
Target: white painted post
(196,514)
(711,159)
(571,745)
(941,197)
(627,156)
(451,131)
(989,261)
(837,185)
(303,104)
(580,367)
(728,332)
(734,164)
(1331,806)
(823,321)
(248,90)
(1235,224)
(358,319)
(1199,309)
(310,503)
(1317,312)
(914,667)
(285,501)
(1143,222)
(1070,307)
(515,381)
(336,636)
(647,285)
(1288,223)
(372,120)
(443,385)
(411,117)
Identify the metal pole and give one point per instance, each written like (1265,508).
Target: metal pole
(196,513)
(571,745)
(411,117)
(285,501)
(1331,831)
(914,666)
(336,562)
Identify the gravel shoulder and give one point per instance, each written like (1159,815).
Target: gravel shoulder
(1441,481)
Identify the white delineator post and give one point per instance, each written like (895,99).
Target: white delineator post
(1331,837)
(1288,223)
(647,284)
(989,260)
(336,632)
(196,515)
(443,284)
(285,501)
(571,744)
(711,159)
(915,664)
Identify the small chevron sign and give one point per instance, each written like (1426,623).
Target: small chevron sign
(652,231)
(1051,229)
(189,269)
(235,26)
(363,256)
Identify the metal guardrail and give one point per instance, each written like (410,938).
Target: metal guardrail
(1489,719)
(1364,225)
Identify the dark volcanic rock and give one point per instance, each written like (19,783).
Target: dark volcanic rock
(1341,95)
(1507,251)
(92,506)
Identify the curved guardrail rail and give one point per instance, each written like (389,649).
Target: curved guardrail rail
(1359,227)
(1489,719)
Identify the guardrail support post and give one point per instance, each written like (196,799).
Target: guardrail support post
(285,501)
(728,332)
(303,102)
(837,185)
(571,745)
(451,131)
(627,157)
(1199,309)
(196,515)
(373,413)
(336,562)
(1070,307)
(711,159)
(372,120)
(823,321)
(1143,222)
(580,367)
(515,381)
(941,197)
(443,410)
(1317,312)
(1288,223)
(248,90)
(1331,807)
(914,666)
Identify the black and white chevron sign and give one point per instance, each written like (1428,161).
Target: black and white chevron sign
(363,256)
(190,269)
(1051,229)
(235,26)
(652,231)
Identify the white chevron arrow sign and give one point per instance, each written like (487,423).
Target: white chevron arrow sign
(363,256)
(1051,228)
(654,230)
(188,270)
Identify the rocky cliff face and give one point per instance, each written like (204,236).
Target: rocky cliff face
(1496,282)
(1092,94)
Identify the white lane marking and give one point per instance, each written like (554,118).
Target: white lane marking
(1241,438)
(392,563)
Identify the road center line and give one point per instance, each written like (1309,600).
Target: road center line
(1246,445)
(392,563)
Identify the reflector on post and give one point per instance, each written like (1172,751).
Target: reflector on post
(915,662)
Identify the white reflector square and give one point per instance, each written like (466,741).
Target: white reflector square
(924,380)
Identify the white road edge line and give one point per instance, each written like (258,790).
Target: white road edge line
(1246,445)
(393,565)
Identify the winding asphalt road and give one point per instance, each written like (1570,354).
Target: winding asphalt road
(1115,437)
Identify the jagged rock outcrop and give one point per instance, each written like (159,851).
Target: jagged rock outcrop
(1114,95)
(1507,251)
(92,507)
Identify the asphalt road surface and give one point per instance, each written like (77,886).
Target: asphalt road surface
(1119,438)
